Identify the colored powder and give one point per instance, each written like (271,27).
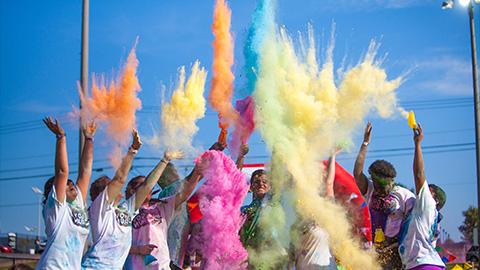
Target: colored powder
(221,90)
(245,125)
(186,107)
(261,23)
(221,196)
(274,222)
(302,115)
(115,106)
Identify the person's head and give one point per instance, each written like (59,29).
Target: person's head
(383,175)
(98,186)
(70,193)
(259,184)
(168,176)
(133,185)
(438,195)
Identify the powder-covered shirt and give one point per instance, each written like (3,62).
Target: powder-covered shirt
(111,233)
(150,226)
(313,252)
(389,217)
(416,246)
(66,226)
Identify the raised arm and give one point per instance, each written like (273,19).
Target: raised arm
(188,186)
(115,186)
(418,167)
(153,177)
(61,158)
(241,156)
(85,170)
(330,179)
(360,177)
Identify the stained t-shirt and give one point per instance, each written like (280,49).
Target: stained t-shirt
(313,252)
(150,226)
(111,233)
(389,213)
(66,226)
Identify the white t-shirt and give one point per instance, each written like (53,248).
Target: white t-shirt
(313,253)
(111,233)
(417,247)
(150,226)
(403,201)
(66,226)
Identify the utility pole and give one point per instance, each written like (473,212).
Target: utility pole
(83,72)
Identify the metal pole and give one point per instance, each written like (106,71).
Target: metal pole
(83,71)
(39,214)
(475,96)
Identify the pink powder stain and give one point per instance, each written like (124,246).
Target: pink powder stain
(221,196)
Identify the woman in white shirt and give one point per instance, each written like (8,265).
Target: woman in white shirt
(64,210)
(111,221)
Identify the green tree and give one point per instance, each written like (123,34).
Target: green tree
(470,222)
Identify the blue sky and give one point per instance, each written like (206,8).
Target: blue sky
(40,66)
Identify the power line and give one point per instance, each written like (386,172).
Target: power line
(420,105)
(441,147)
(18,205)
(45,166)
(423,147)
(20,178)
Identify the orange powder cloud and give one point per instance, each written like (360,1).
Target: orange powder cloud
(222,76)
(115,106)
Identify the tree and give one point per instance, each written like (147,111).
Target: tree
(469,223)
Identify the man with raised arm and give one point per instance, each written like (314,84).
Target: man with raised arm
(417,240)
(389,204)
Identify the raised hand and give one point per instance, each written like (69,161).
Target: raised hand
(169,155)
(418,134)
(337,150)
(244,150)
(90,129)
(218,146)
(367,133)
(54,126)
(136,143)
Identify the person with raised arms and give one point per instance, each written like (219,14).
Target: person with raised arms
(310,249)
(149,248)
(389,204)
(417,238)
(64,209)
(111,221)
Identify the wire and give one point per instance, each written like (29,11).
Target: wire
(417,105)
(45,166)
(18,205)
(428,150)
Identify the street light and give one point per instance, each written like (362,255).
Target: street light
(473,47)
(39,193)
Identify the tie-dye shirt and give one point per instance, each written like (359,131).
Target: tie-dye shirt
(66,226)
(150,226)
(111,233)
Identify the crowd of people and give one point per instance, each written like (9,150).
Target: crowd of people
(130,231)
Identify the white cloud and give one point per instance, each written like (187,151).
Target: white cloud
(448,75)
